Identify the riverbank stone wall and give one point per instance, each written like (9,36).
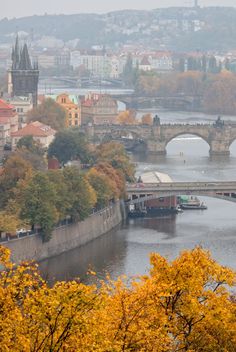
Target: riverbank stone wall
(66,237)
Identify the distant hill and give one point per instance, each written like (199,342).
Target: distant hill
(181,29)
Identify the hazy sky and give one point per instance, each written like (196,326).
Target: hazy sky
(19,8)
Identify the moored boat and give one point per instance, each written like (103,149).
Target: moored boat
(189,206)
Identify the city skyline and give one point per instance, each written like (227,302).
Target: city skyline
(29,7)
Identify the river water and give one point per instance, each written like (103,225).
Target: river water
(126,249)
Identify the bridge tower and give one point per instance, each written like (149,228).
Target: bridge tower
(24,75)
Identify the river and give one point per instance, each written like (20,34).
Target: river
(126,249)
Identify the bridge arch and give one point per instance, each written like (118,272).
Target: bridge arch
(176,135)
(205,147)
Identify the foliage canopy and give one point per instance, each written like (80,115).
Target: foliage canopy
(183,305)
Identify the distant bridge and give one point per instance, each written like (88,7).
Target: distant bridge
(181,101)
(141,192)
(218,136)
(75,82)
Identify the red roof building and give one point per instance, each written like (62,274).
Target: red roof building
(41,133)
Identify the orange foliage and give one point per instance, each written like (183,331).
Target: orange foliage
(127,117)
(183,305)
(147,119)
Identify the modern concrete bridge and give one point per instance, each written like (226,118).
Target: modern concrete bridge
(218,135)
(140,192)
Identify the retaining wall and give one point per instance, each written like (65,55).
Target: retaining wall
(66,237)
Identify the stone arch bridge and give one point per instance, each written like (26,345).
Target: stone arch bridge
(218,135)
(141,192)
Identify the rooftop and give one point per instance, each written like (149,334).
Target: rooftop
(35,129)
(155,177)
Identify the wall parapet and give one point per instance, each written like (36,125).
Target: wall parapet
(66,237)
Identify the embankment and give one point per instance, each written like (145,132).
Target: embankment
(66,237)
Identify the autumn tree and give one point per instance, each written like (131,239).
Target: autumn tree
(148,84)
(147,119)
(15,169)
(183,305)
(116,178)
(127,117)
(49,113)
(115,154)
(9,223)
(219,96)
(102,185)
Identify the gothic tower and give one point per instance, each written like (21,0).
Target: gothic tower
(23,75)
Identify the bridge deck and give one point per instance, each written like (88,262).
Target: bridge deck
(219,187)
(150,191)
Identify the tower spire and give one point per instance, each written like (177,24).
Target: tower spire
(25,63)
(16,54)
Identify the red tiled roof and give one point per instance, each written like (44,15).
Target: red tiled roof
(4,105)
(35,129)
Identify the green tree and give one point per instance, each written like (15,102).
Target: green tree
(38,204)
(81,194)
(29,143)
(68,145)
(50,113)
(31,151)
(62,198)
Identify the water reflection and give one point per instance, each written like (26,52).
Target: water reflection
(126,250)
(107,251)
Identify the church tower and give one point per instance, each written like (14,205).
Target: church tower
(24,75)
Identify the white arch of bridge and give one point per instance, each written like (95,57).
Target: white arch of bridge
(192,133)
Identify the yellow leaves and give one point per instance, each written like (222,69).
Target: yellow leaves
(9,222)
(182,305)
(127,118)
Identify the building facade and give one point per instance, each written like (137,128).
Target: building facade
(22,106)
(8,122)
(71,104)
(99,109)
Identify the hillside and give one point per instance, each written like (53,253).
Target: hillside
(180,29)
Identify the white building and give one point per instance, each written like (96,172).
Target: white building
(22,105)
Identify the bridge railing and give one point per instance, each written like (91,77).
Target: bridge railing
(207,185)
